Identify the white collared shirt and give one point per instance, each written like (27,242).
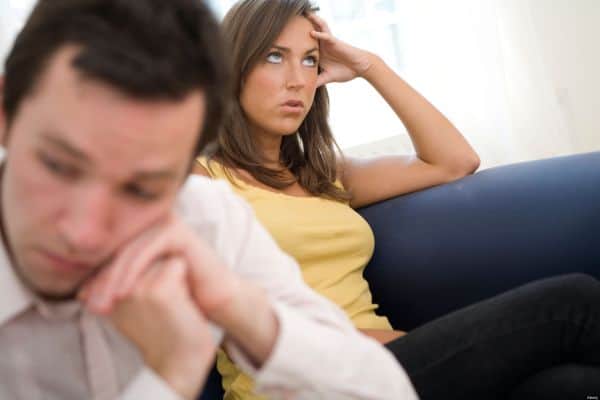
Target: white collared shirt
(62,352)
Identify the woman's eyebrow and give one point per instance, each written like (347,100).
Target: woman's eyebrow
(287,49)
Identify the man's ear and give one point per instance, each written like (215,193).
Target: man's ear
(3,126)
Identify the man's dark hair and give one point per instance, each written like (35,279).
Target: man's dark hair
(148,49)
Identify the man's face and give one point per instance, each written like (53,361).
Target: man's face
(87,169)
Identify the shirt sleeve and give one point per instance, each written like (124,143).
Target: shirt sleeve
(148,386)
(318,354)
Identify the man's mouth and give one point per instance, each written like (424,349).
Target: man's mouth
(66,264)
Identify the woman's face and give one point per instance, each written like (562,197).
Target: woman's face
(279,91)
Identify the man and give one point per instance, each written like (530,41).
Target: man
(105,104)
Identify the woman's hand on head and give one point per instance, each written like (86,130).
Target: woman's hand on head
(339,61)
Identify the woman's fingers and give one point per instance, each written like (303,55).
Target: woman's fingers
(322,36)
(319,22)
(323,79)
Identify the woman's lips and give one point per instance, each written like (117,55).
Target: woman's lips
(292,107)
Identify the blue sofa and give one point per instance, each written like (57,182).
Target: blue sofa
(444,248)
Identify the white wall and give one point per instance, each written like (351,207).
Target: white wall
(569,34)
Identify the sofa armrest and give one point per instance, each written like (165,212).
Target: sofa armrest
(446,247)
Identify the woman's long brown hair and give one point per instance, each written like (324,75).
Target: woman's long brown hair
(250,28)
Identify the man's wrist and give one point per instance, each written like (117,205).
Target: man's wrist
(252,324)
(186,380)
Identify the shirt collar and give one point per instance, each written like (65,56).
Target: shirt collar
(16,297)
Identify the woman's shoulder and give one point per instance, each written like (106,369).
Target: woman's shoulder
(209,167)
(200,167)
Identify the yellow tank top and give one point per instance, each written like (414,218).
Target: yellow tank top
(330,241)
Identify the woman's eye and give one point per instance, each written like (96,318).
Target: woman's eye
(310,61)
(274,57)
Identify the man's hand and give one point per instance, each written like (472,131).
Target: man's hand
(161,319)
(240,308)
(212,284)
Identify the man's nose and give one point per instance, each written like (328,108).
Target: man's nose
(88,221)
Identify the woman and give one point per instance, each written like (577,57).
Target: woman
(277,151)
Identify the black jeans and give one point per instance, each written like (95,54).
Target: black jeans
(539,341)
